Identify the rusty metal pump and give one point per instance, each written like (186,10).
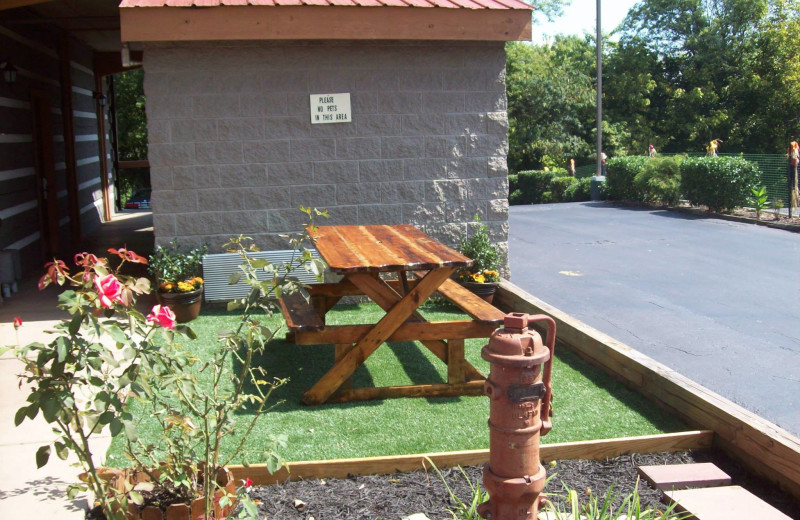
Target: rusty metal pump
(519,414)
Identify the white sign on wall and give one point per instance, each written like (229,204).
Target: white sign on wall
(330,108)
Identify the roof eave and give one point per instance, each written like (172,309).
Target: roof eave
(160,24)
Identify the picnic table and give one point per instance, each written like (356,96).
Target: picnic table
(398,267)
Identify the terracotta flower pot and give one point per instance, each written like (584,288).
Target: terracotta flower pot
(186,306)
(484,290)
(194,511)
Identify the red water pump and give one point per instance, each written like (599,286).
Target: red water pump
(519,414)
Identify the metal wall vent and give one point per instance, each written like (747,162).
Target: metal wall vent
(218,268)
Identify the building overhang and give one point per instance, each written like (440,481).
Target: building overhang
(322,22)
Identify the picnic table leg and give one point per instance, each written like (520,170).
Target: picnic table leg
(440,349)
(323,303)
(387,325)
(386,297)
(455,361)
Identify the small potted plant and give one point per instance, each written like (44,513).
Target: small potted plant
(179,279)
(482,278)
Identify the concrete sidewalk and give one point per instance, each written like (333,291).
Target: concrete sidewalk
(24,490)
(39,493)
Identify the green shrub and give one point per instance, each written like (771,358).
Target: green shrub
(721,183)
(621,172)
(515,197)
(513,182)
(660,180)
(579,191)
(559,185)
(533,183)
(547,198)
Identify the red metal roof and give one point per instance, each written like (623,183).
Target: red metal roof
(451,4)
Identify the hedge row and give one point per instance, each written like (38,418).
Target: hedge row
(543,186)
(721,183)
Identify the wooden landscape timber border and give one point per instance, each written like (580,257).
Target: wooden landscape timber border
(596,449)
(762,446)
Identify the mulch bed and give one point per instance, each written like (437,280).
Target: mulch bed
(767,216)
(745,216)
(403,494)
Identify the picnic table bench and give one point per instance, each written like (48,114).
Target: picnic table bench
(414,267)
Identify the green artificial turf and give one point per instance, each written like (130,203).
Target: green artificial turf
(588,404)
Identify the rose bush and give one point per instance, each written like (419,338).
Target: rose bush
(79,380)
(108,356)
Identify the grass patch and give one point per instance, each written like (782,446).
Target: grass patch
(588,403)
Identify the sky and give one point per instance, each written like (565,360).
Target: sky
(581,15)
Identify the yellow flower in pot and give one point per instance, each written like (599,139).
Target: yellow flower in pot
(178,274)
(482,277)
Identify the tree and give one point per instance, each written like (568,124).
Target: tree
(129,102)
(707,69)
(549,9)
(550,102)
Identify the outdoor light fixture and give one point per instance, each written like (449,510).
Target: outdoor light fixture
(9,72)
(100,98)
(125,56)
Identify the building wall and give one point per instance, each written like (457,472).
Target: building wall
(232,149)
(35,54)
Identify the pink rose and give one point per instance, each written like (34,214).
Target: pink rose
(162,316)
(109,289)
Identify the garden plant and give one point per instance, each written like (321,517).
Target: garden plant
(175,270)
(484,254)
(759,200)
(597,508)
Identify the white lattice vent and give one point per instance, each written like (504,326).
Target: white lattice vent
(218,268)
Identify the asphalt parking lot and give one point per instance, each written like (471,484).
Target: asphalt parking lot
(717,301)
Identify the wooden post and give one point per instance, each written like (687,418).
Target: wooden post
(101,134)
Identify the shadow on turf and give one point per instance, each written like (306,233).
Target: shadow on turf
(630,398)
(304,365)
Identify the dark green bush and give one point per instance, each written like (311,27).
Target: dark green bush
(620,173)
(559,185)
(532,184)
(515,198)
(579,191)
(660,180)
(721,183)
(513,182)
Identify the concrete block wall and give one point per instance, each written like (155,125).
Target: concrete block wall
(232,148)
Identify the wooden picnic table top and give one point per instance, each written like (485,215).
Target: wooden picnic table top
(382,248)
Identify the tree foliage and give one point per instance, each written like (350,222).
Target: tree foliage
(129,102)
(550,103)
(683,72)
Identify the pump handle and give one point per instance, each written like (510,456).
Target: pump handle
(547,424)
